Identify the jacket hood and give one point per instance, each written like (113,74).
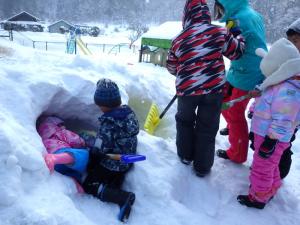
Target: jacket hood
(232,7)
(295,26)
(195,11)
(48,129)
(280,63)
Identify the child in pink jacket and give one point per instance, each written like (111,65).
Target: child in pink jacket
(276,116)
(66,150)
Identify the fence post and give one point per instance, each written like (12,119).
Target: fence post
(11,37)
(103,48)
(33,44)
(141,54)
(119,48)
(46,46)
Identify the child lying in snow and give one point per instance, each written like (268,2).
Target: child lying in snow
(66,153)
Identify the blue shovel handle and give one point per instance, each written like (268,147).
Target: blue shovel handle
(132,158)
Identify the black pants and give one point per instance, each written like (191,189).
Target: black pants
(197,123)
(286,159)
(102,176)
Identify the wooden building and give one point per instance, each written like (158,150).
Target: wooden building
(156,43)
(23,21)
(60,26)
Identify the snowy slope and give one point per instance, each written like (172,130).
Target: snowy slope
(35,82)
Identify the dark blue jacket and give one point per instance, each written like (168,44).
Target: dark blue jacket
(117,134)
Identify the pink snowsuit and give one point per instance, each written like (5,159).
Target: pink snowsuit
(276,115)
(56,137)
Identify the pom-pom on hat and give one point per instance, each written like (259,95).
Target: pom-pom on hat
(107,94)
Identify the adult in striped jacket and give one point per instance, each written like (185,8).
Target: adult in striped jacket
(196,59)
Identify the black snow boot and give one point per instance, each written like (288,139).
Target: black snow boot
(123,198)
(224,131)
(250,202)
(222,154)
(185,161)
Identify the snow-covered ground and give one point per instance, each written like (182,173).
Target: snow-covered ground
(33,82)
(112,40)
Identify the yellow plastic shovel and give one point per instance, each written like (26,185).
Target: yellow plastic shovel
(153,117)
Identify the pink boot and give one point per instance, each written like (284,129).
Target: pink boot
(62,158)
(78,187)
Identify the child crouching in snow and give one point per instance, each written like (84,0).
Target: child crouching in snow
(276,115)
(66,150)
(117,134)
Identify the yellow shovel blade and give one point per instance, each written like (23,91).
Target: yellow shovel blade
(152,119)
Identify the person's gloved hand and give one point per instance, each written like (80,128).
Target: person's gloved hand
(233,27)
(97,154)
(88,139)
(236,31)
(251,139)
(250,114)
(268,147)
(255,93)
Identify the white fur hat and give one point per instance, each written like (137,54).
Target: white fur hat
(280,52)
(280,63)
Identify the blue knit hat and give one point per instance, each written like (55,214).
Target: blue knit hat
(107,93)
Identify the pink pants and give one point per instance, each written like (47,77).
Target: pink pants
(265,177)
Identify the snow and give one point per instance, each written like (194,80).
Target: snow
(167,30)
(110,42)
(33,82)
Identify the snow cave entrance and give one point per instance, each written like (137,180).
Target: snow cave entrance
(82,115)
(78,114)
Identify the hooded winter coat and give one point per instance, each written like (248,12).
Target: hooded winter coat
(277,111)
(117,134)
(244,73)
(57,137)
(196,55)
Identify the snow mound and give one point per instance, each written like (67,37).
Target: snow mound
(34,83)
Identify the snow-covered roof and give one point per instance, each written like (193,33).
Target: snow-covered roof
(167,30)
(24,12)
(24,22)
(61,21)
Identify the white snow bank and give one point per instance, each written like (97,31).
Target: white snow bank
(33,82)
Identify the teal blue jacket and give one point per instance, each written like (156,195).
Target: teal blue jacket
(245,73)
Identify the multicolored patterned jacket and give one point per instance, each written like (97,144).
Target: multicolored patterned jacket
(196,55)
(117,134)
(277,111)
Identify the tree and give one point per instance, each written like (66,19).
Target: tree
(137,31)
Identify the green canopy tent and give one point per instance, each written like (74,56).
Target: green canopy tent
(157,41)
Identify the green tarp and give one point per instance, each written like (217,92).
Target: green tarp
(156,42)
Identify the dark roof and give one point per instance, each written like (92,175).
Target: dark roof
(24,16)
